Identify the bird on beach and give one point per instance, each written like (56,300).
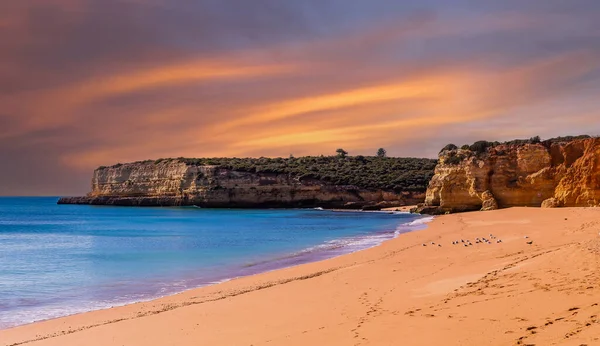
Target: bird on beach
(424,244)
(530,242)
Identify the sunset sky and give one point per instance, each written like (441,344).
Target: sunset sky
(85,83)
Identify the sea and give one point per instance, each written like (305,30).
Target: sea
(58,260)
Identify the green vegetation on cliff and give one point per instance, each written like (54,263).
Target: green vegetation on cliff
(390,173)
(454,157)
(481,147)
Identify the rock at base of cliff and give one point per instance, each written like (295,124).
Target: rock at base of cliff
(371,207)
(428,209)
(551,203)
(488,201)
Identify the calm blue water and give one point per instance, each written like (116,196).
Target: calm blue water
(57,260)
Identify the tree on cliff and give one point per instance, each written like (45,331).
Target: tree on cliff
(535,140)
(449,147)
(341,152)
(381,152)
(481,147)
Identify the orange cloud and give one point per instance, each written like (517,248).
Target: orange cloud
(171,75)
(359,118)
(280,110)
(60,106)
(389,110)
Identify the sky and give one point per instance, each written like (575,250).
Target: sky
(85,83)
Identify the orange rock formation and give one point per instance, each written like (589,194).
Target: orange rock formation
(550,174)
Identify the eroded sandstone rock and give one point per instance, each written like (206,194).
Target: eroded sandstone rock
(556,173)
(580,186)
(175,183)
(488,202)
(551,203)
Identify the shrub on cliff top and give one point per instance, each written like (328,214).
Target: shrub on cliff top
(453,160)
(518,142)
(449,147)
(566,139)
(547,142)
(480,147)
(390,173)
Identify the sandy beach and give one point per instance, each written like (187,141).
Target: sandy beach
(539,286)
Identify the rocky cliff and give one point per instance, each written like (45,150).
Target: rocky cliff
(178,182)
(485,176)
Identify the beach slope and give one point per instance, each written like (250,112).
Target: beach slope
(539,286)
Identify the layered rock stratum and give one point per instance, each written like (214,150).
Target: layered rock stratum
(562,172)
(270,184)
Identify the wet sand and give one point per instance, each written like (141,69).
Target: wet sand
(508,293)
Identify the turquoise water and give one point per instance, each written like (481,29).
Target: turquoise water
(57,260)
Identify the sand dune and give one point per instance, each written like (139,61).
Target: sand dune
(400,293)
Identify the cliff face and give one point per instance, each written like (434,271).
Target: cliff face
(552,174)
(580,185)
(174,182)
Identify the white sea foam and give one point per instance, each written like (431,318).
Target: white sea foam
(352,244)
(413,225)
(36,314)
(421,221)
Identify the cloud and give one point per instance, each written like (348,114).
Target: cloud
(60,106)
(85,83)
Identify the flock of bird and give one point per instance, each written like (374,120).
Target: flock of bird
(467,243)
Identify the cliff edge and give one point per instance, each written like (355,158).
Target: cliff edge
(351,182)
(561,172)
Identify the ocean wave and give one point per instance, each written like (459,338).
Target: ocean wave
(345,245)
(22,316)
(38,223)
(328,249)
(350,242)
(421,221)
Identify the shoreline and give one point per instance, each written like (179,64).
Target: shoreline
(316,253)
(399,290)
